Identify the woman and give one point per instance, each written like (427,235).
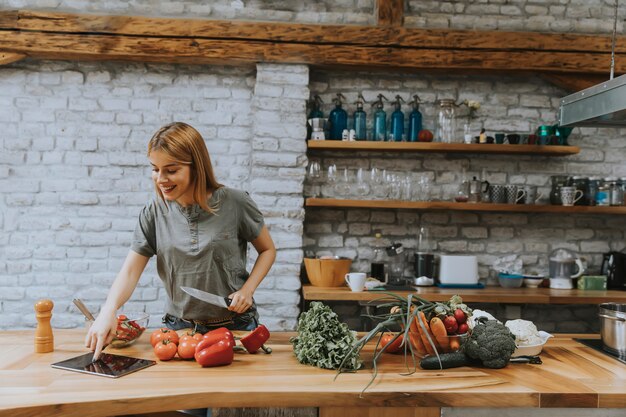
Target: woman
(198,229)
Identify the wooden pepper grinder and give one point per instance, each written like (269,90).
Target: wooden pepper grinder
(44,340)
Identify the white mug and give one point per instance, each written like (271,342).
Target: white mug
(570,195)
(356,281)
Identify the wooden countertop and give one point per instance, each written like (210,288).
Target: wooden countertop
(572,376)
(484,295)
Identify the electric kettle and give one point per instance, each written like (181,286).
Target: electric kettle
(564,265)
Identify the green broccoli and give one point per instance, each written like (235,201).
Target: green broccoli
(491,342)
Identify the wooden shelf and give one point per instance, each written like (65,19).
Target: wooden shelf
(485,295)
(449,205)
(338,145)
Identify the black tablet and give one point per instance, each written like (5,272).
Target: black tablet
(112,366)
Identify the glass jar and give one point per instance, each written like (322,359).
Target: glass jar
(594,182)
(602,196)
(582,184)
(446,121)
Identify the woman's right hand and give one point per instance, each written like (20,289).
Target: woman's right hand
(101,332)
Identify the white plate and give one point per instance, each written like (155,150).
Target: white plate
(532,350)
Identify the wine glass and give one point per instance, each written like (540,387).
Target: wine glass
(314,176)
(362,187)
(376,184)
(331,181)
(342,188)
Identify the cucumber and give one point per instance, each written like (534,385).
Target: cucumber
(448,360)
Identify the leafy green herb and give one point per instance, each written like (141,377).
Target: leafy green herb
(324,341)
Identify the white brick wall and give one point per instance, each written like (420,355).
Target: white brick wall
(323,11)
(276,181)
(74,173)
(578,16)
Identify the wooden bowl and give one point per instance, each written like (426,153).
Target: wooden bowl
(327,272)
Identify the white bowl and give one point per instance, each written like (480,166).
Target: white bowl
(532,282)
(532,350)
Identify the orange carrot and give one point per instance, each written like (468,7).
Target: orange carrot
(430,348)
(424,339)
(415,336)
(455,343)
(439,330)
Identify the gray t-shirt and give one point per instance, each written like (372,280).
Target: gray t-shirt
(200,250)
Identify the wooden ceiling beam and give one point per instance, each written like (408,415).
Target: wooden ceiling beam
(390,12)
(209,51)
(25,20)
(7,58)
(64,36)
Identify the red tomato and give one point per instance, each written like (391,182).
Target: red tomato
(187,347)
(425,135)
(163,334)
(191,335)
(394,347)
(460,316)
(122,317)
(165,350)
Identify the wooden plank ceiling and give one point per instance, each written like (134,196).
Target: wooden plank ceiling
(571,61)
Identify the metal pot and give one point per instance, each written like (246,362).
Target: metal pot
(613,327)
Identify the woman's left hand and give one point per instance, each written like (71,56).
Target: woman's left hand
(241,301)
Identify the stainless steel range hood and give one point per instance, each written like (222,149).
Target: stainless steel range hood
(603,105)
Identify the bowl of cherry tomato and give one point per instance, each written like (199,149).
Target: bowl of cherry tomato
(129,327)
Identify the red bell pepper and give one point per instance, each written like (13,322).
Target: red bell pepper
(215,352)
(218,334)
(255,340)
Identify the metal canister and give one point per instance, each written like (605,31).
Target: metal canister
(582,184)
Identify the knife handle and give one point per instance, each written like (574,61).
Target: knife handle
(228,301)
(83,309)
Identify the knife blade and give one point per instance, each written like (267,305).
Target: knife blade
(207,297)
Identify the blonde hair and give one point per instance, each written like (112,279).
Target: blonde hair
(185,145)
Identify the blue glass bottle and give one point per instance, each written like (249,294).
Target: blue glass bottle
(360,121)
(379,131)
(415,120)
(397,121)
(315,104)
(338,119)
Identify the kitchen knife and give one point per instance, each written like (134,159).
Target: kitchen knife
(207,297)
